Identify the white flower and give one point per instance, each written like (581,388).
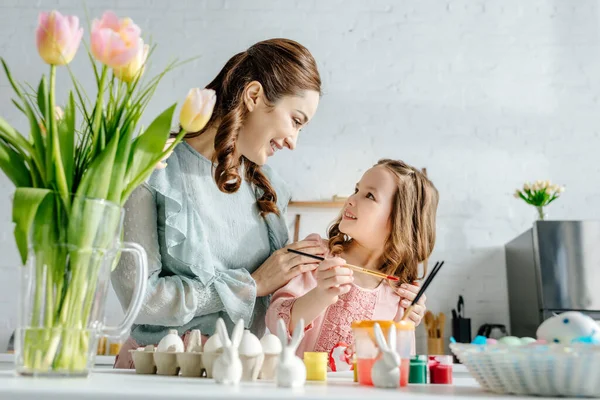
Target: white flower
(561,189)
(517,194)
(527,186)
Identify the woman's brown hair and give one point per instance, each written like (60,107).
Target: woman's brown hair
(413,216)
(283,67)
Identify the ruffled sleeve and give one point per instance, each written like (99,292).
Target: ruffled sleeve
(185,238)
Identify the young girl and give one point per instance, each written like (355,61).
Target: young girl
(387,225)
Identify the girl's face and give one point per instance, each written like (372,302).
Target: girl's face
(267,129)
(366,214)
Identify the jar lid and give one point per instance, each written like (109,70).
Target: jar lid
(315,355)
(385,325)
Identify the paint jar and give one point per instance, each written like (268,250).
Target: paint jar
(114,348)
(440,370)
(418,370)
(367,351)
(316,366)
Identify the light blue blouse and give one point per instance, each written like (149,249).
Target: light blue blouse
(202,247)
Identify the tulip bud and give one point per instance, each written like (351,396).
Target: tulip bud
(58,37)
(135,67)
(197,109)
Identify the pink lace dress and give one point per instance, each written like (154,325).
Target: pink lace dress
(334,324)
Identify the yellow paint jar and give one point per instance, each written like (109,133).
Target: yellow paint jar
(316,366)
(114,349)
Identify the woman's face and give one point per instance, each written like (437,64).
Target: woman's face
(267,129)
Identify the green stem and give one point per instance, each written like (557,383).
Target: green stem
(138,180)
(61,178)
(98,110)
(540,210)
(49,302)
(37,297)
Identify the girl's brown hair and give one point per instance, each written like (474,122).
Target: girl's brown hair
(283,67)
(412,235)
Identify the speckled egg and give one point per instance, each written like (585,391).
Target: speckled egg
(569,327)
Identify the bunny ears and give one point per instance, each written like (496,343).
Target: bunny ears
(391,342)
(236,335)
(282,333)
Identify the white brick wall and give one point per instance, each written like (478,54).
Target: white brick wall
(484,94)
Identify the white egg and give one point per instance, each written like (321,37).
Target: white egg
(271,344)
(250,345)
(212,344)
(171,342)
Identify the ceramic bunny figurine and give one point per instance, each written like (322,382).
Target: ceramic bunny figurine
(227,368)
(386,370)
(290,371)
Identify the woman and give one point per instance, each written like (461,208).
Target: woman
(212,221)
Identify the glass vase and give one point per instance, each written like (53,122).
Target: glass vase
(64,286)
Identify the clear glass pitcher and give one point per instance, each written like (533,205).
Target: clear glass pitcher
(64,286)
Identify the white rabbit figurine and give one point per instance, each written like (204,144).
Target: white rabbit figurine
(290,371)
(386,371)
(227,368)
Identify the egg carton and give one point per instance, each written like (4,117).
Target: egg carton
(544,370)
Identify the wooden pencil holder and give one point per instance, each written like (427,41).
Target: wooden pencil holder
(435,346)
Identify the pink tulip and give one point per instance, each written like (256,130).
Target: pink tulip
(115,42)
(58,37)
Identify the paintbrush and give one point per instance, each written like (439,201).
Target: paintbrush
(432,275)
(352,267)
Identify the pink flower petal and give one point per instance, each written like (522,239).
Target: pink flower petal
(110,20)
(43,19)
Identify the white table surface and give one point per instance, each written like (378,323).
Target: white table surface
(111,384)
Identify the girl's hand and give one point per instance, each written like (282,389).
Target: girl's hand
(408,293)
(333,280)
(282,266)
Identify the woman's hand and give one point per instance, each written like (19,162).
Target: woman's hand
(282,266)
(333,280)
(408,293)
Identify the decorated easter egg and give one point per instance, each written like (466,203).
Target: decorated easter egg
(569,327)
(340,358)
(171,342)
(491,341)
(510,341)
(527,340)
